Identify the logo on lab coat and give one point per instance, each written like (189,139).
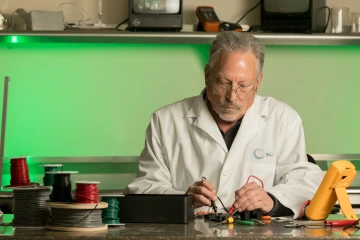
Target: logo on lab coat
(260,153)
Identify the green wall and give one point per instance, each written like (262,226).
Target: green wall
(322,84)
(96,99)
(92,99)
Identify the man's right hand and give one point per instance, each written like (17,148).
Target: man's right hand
(202,192)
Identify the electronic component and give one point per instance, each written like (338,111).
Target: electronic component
(226,26)
(332,188)
(156,208)
(154,15)
(293,16)
(208,19)
(47,20)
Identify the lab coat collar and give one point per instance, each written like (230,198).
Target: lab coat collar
(204,120)
(253,121)
(197,105)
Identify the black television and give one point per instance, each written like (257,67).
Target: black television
(306,16)
(155,15)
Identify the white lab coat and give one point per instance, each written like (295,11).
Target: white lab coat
(183,143)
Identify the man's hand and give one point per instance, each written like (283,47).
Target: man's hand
(252,196)
(202,192)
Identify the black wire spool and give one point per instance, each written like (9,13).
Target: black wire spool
(30,208)
(61,187)
(76,217)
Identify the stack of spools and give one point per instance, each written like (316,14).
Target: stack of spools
(30,208)
(84,214)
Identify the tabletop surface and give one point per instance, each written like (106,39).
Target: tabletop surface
(199,228)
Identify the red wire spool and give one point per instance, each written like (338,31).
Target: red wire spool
(19,172)
(87,192)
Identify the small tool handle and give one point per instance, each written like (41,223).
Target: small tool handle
(231,210)
(245,222)
(341,223)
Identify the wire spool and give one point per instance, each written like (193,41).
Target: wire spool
(76,217)
(110,215)
(62,186)
(30,208)
(19,172)
(48,179)
(86,192)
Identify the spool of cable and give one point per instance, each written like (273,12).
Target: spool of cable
(110,215)
(86,192)
(76,217)
(62,186)
(48,179)
(19,172)
(30,208)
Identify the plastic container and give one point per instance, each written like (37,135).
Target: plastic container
(355,27)
(340,20)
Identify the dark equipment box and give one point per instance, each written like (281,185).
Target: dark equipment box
(155,208)
(155,18)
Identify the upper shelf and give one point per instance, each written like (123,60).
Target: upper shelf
(112,36)
(135,159)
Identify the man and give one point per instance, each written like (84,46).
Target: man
(232,137)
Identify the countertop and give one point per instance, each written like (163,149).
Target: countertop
(114,36)
(197,229)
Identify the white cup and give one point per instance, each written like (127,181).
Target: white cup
(355,27)
(340,20)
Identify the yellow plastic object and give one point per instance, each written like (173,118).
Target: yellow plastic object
(332,188)
(230,219)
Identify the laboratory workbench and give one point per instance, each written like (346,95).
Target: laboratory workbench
(114,36)
(199,228)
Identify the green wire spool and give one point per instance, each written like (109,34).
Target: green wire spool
(110,215)
(48,179)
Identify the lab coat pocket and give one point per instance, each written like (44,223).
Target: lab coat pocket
(263,170)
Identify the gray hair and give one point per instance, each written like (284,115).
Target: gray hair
(231,41)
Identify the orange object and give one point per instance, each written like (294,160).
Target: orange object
(200,213)
(265,217)
(208,18)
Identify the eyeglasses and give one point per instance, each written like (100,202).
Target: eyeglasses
(222,89)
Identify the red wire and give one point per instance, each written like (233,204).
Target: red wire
(19,172)
(232,208)
(86,193)
(262,184)
(303,208)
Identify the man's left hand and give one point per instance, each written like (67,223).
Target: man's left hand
(252,196)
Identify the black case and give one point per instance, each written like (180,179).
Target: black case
(155,208)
